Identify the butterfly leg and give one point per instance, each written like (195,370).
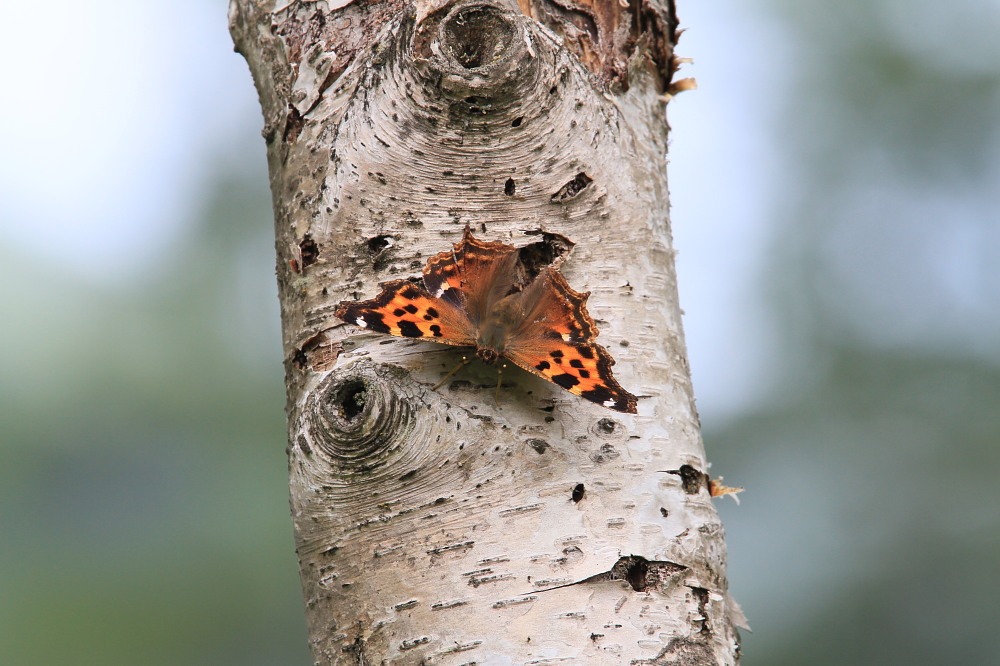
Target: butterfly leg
(496,396)
(465,361)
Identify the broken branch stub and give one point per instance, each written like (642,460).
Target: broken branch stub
(356,416)
(478,53)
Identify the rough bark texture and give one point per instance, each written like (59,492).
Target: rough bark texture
(442,527)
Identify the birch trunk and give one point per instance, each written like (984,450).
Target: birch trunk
(440,526)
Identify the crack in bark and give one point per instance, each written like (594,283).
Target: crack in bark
(636,570)
(681,652)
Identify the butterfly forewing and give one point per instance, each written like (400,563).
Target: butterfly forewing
(474,275)
(407,310)
(552,306)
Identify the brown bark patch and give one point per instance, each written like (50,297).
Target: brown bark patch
(341,33)
(318,353)
(606,36)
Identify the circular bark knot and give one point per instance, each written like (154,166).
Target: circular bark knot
(356,415)
(476,36)
(477,52)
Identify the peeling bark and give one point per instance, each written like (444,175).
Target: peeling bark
(439,526)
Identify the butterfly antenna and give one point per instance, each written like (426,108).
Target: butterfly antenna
(464,362)
(496,396)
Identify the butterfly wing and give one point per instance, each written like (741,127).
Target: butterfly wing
(555,341)
(406,309)
(474,276)
(583,369)
(545,327)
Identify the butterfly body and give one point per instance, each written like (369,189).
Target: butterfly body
(480,295)
(496,329)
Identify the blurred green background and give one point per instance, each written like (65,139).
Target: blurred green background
(836,191)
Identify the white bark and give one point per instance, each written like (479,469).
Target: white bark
(431,526)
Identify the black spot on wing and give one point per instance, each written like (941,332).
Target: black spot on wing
(373,322)
(599,394)
(543,365)
(410,330)
(585,352)
(411,308)
(431,312)
(436,330)
(399,312)
(556,353)
(576,363)
(585,374)
(566,381)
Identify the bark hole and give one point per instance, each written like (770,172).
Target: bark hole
(379,247)
(578,184)
(509,187)
(293,125)
(608,428)
(578,492)
(378,243)
(476,36)
(641,573)
(635,572)
(550,251)
(539,445)
(478,55)
(350,397)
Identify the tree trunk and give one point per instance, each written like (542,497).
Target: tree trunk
(450,526)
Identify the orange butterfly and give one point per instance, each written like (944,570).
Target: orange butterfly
(470,297)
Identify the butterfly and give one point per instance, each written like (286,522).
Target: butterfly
(479,294)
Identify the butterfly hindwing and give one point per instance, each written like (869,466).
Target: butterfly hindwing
(406,309)
(556,341)
(582,368)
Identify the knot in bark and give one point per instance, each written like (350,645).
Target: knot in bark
(356,415)
(478,52)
